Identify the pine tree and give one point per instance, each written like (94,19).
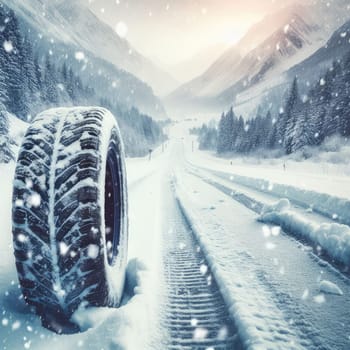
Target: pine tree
(290,116)
(343,102)
(38,74)
(6,154)
(12,63)
(3,87)
(50,82)
(229,131)
(221,135)
(239,144)
(28,68)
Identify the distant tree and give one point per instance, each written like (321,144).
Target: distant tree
(342,101)
(50,82)
(290,117)
(11,52)
(221,146)
(207,137)
(6,153)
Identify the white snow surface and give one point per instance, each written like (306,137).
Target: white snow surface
(280,294)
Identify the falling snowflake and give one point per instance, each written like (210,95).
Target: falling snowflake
(34,200)
(29,183)
(182,246)
(63,248)
(276,230)
(121,29)
(203,269)
(93,251)
(16,325)
(319,299)
(266,231)
(19,202)
(200,333)
(223,333)
(8,46)
(194,322)
(322,82)
(79,56)
(21,238)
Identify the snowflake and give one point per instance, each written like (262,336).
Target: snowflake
(16,325)
(276,230)
(266,231)
(203,269)
(93,251)
(121,29)
(63,248)
(79,56)
(194,322)
(21,238)
(8,46)
(200,333)
(319,299)
(34,200)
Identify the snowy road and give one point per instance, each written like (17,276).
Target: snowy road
(207,272)
(272,280)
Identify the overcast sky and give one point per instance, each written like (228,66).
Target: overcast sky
(170,31)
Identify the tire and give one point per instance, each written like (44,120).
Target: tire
(70,222)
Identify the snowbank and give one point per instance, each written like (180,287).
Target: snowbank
(325,204)
(330,288)
(332,238)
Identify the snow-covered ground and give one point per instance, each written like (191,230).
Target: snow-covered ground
(279,292)
(134,325)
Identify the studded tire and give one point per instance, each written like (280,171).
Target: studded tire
(70,223)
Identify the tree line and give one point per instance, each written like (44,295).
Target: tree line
(30,83)
(302,121)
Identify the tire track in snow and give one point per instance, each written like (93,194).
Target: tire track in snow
(196,315)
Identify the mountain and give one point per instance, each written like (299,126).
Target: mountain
(66,27)
(334,50)
(198,63)
(242,74)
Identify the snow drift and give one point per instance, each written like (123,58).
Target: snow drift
(330,206)
(333,238)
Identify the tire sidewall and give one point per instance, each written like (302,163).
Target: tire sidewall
(115,273)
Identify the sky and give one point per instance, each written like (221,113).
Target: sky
(172,31)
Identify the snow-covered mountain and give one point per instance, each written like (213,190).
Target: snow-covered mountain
(247,60)
(334,50)
(72,22)
(269,49)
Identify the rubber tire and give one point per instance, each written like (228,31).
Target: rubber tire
(60,212)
